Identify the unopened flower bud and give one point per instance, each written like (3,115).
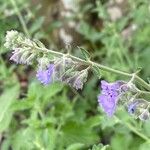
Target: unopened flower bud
(11,36)
(43,62)
(30,58)
(17,53)
(131,87)
(24,57)
(145,115)
(80,80)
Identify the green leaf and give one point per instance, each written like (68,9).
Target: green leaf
(5,121)
(119,139)
(23,139)
(6,100)
(144,146)
(38,90)
(89,32)
(76,146)
(78,133)
(37,24)
(94,121)
(22,105)
(85,53)
(52,90)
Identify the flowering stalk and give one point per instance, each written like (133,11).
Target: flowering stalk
(91,63)
(57,66)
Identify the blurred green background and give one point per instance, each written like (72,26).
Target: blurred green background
(57,117)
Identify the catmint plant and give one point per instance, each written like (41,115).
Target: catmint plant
(55,66)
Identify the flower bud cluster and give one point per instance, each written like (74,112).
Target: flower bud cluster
(50,69)
(121,92)
(63,70)
(21,52)
(11,39)
(139,108)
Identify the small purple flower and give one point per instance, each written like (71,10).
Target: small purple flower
(109,96)
(45,76)
(132,107)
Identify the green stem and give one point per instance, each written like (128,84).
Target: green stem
(91,63)
(20,17)
(133,129)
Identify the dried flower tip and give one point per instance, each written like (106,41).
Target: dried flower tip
(80,79)
(62,67)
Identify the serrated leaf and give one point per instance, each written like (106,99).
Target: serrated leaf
(23,139)
(38,90)
(22,105)
(85,53)
(78,133)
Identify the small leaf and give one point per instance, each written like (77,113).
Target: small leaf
(85,53)
(138,70)
(96,71)
(94,121)
(6,100)
(76,146)
(39,43)
(22,105)
(37,25)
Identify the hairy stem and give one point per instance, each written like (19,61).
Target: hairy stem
(102,67)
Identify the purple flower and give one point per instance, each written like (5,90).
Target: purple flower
(45,76)
(132,107)
(109,96)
